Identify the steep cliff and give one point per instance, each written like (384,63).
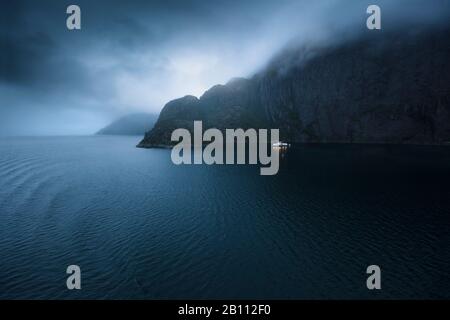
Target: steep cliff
(234,105)
(379,88)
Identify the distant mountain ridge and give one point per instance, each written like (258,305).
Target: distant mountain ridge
(132,124)
(381,88)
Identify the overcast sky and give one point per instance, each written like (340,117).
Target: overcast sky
(133,56)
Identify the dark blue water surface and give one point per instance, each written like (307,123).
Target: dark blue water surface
(141,227)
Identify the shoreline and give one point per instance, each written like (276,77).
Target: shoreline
(293,144)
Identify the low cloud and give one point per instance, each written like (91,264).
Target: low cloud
(137,55)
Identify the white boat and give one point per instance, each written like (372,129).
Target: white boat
(280,144)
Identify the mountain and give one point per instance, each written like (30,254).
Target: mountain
(379,88)
(234,105)
(132,124)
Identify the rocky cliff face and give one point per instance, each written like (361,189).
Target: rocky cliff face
(381,88)
(234,105)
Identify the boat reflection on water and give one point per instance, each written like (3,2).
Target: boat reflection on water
(281,147)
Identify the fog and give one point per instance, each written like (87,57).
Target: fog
(134,56)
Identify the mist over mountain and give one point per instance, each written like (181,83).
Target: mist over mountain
(136,55)
(382,87)
(132,124)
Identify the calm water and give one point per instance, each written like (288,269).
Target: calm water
(141,227)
